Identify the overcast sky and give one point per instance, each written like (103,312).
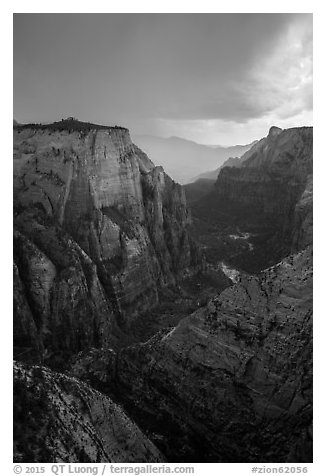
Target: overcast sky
(212,78)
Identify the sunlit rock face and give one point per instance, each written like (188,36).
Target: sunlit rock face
(265,195)
(99,229)
(60,419)
(270,180)
(303,218)
(234,379)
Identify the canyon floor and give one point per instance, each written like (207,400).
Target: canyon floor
(144,332)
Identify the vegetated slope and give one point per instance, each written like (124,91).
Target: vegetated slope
(60,419)
(99,231)
(203,184)
(232,382)
(198,189)
(100,234)
(213,174)
(260,198)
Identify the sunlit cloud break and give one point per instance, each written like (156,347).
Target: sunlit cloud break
(212,78)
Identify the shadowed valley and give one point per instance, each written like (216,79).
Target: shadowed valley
(145,330)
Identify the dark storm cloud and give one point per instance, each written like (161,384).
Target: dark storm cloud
(129,67)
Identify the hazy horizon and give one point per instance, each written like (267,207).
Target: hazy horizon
(215,79)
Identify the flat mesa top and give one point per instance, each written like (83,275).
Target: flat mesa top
(70,124)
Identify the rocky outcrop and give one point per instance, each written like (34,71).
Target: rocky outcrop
(270,180)
(262,195)
(60,419)
(60,292)
(26,337)
(233,381)
(99,233)
(99,229)
(303,218)
(286,152)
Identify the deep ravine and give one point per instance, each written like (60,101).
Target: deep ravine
(130,346)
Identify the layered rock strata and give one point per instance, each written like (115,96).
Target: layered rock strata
(60,305)
(268,195)
(60,419)
(233,381)
(271,179)
(302,234)
(99,229)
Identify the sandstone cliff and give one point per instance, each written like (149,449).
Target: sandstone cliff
(59,419)
(303,218)
(262,197)
(99,229)
(271,178)
(99,233)
(60,305)
(230,383)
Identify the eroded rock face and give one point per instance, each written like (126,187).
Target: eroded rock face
(26,335)
(99,230)
(60,419)
(271,179)
(63,298)
(262,197)
(303,218)
(233,380)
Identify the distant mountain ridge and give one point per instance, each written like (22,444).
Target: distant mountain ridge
(232,161)
(184,159)
(100,233)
